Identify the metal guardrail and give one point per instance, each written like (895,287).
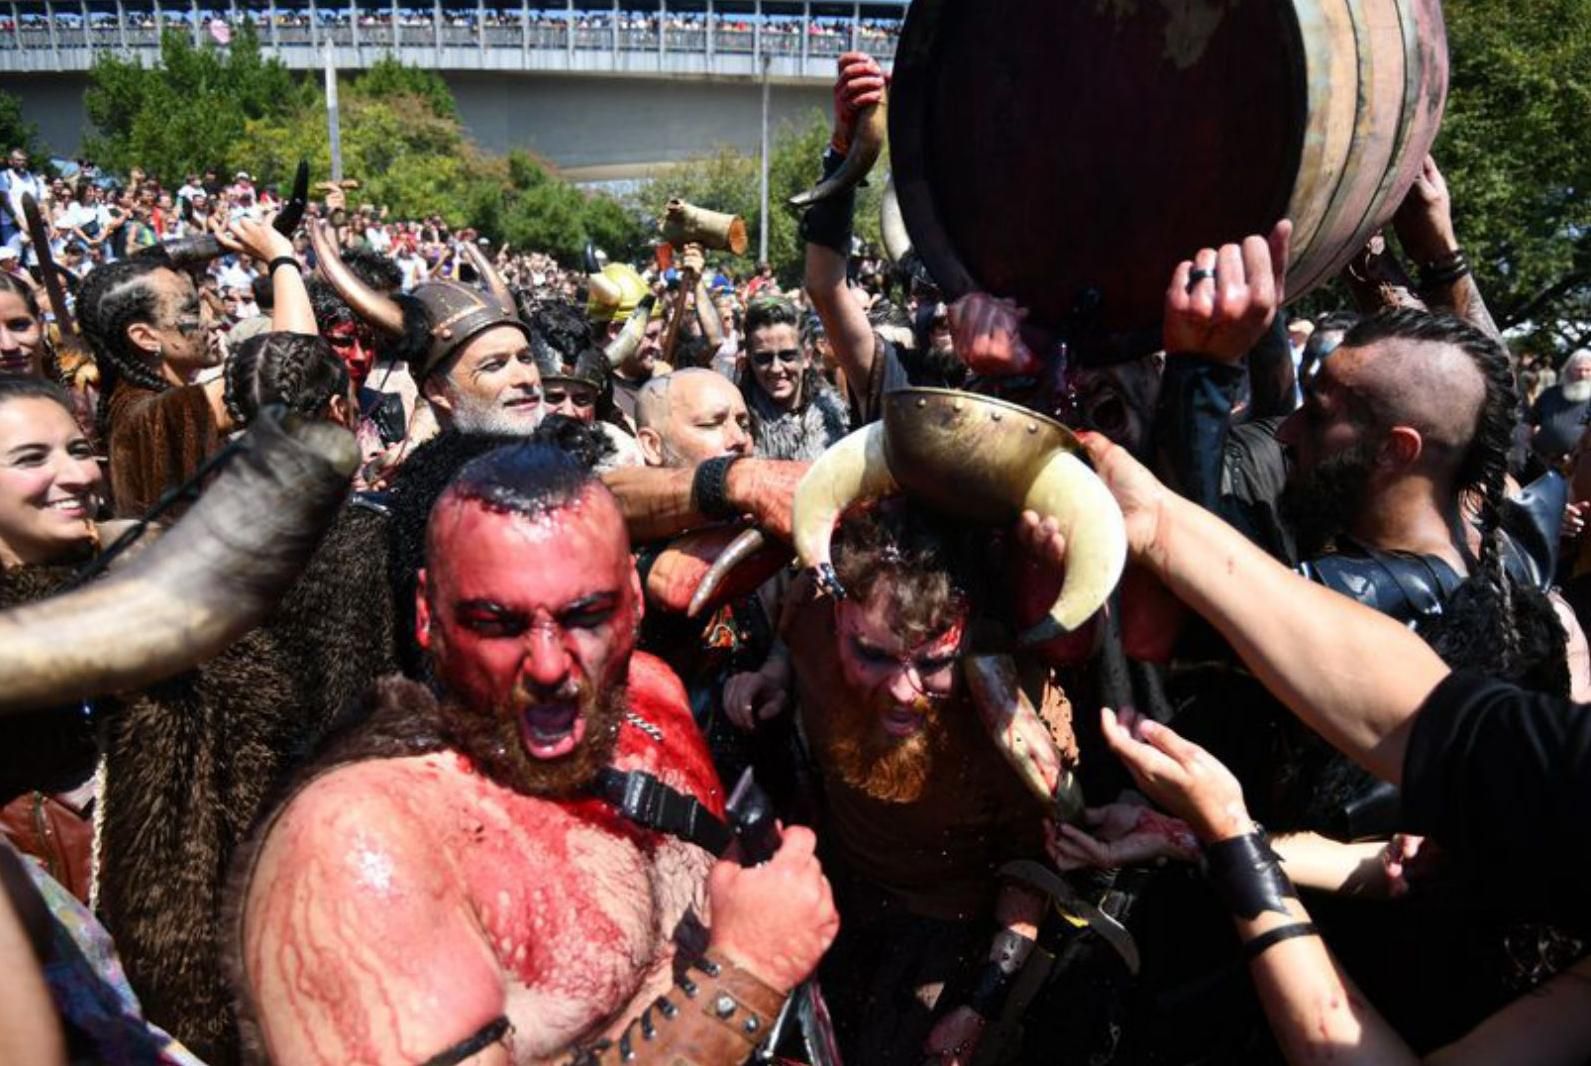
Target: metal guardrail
(70,36)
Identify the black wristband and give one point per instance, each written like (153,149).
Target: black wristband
(1253,949)
(710,488)
(1444,271)
(1247,875)
(284,260)
(828,222)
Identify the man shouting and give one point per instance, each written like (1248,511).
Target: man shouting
(447,886)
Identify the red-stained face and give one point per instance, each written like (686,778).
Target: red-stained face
(531,622)
(902,681)
(355,347)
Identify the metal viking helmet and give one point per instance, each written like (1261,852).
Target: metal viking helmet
(455,313)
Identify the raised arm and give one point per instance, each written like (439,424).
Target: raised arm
(1313,1007)
(291,311)
(1424,224)
(826,229)
(1355,676)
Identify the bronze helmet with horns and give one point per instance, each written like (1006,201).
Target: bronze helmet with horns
(454,313)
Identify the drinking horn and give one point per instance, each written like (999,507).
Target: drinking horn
(1025,737)
(872,123)
(376,308)
(203,247)
(197,588)
(743,547)
(978,458)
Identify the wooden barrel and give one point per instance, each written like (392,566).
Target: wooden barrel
(1068,153)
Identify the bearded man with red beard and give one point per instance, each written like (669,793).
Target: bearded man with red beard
(920,810)
(447,884)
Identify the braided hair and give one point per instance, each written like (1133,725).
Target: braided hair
(113,297)
(298,370)
(1492,621)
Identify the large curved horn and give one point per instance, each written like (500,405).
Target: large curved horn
(292,212)
(853,468)
(866,144)
(892,225)
(743,547)
(183,599)
(1096,542)
(604,291)
(490,277)
(623,346)
(378,309)
(1021,734)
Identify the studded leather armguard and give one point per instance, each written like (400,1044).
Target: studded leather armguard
(716,1016)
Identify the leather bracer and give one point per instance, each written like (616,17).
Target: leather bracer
(716,1016)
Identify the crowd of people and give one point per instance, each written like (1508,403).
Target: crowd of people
(421,651)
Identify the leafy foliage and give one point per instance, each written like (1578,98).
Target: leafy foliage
(1516,150)
(190,112)
(16,131)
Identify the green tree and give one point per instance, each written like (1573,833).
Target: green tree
(1516,150)
(16,131)
(188,112)
(387,77)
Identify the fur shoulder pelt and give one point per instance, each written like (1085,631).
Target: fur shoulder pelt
(191,761)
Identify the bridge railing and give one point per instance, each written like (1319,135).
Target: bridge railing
(715,36)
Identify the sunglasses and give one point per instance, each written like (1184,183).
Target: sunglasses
(790,357)
(556,396)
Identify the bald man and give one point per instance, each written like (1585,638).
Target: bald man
(689,416)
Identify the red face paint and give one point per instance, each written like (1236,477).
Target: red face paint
(531,622)
(901,680)
(355,347)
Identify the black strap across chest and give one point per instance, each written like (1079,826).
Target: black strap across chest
(649,803)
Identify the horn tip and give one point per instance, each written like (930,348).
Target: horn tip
(829,581)
(1042,632)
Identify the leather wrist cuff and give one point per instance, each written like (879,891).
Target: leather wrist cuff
(828,222)
(718,1016)
(1444,271)
(1247,875)
(710,488)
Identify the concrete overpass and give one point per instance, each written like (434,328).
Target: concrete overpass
(603,90)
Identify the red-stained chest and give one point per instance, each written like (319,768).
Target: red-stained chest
(578,904)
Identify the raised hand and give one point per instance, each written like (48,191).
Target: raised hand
(1221,302)
(1180,776)
(752,698)
(988,336)
(254,238)
(1424,221)
(861,83)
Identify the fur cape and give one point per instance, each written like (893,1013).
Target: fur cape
(156,440)
(189,764)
